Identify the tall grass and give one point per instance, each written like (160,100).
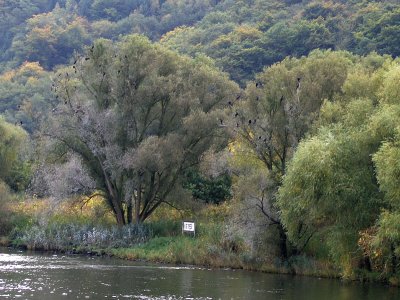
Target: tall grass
(65,237)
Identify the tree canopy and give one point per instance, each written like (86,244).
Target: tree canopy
(132,119)
(337,184)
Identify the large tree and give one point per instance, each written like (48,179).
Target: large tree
(132,118)
(341,185)
(279,110)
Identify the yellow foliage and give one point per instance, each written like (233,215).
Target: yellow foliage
(217,212)
(7,76)
(31,69)
(240,34)
(79,209)
(246,32)
(44,33)
(176,31)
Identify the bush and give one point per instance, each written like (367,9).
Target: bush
(165,228)
(5,197)
(210,190)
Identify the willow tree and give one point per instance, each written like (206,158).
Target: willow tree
(278,111)
(14,170)
(132,118)
(341,185)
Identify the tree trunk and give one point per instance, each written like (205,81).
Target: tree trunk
(129,212)
(115,200)
(393,259)
(119,212)
(138,201)
(282,242)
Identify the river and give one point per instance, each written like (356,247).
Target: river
(25,275)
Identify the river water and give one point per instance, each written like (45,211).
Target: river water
(45,276)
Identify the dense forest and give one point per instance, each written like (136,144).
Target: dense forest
(273,124)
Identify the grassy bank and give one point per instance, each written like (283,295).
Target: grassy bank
(163,242)
(186,250)
(90,231)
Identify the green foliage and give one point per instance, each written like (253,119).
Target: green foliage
(51,38)
(378,28)
(14,171)
(343,175)
(329,178)
(291,28)
(147,116)
(165,228)
(387,161)
(245,50)
(210,190)
(4,219)
(25,95)
(210,248)
(384,244)
(284,31)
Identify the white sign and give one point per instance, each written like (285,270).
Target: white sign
(189,226)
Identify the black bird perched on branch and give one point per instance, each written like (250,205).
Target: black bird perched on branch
(298,83)
(259,84)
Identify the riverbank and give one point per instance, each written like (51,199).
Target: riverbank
(160,240)
(185,250)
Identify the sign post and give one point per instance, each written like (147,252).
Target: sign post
(189,227)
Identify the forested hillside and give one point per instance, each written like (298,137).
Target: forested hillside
(241,36)
(276,119)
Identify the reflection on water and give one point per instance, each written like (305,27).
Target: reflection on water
(43,276)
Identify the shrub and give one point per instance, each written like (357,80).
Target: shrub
(5,222)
